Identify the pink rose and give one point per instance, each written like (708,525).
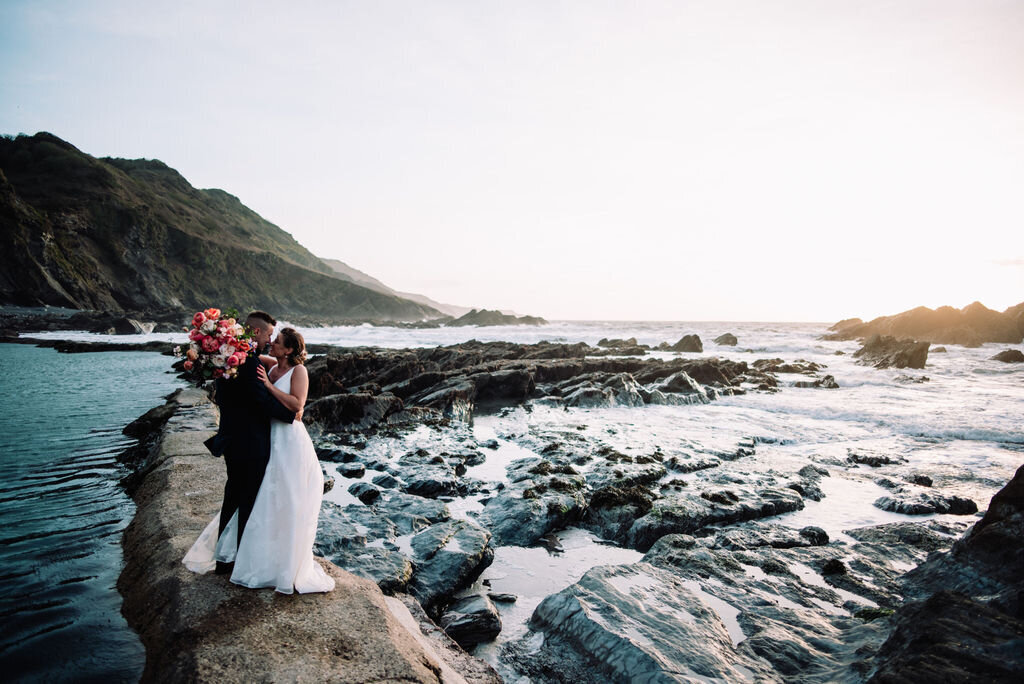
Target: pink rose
(198,319)
(195,335)
(241,356)
(210,344)
(188,365)
(212,313)
(231,361)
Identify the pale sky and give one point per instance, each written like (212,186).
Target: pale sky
(746,160)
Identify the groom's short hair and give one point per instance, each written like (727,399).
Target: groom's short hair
(261,316)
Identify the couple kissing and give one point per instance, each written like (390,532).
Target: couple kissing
(264,533)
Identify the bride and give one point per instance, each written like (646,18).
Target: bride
(277,547)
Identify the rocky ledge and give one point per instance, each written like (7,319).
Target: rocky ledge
(203,628)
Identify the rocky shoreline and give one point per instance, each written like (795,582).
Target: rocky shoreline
(202,628)
(721,592)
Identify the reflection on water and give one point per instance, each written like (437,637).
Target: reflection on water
(63,510)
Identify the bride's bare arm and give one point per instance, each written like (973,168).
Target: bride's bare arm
(300,388)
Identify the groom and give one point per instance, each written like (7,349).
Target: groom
(246,407)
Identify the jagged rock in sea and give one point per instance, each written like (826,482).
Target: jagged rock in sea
(726,340)
(964,618)
(617,343)
(1010,356)
(888,352)
(688,343)
(471,620)
(971,326)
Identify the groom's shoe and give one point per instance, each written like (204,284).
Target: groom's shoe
(224,568)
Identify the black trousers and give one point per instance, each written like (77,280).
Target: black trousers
(245,475)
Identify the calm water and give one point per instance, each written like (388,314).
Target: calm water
(63,511)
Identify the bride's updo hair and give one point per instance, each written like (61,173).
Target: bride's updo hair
(293,340)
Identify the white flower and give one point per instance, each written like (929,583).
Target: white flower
(194,346)
(209,327)
(238,330)
(217,361)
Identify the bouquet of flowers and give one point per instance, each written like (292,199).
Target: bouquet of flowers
(218,346)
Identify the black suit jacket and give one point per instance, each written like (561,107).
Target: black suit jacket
(246,407)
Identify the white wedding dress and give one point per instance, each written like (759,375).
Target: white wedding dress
(277,547)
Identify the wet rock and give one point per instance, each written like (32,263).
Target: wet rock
(889,352)
(758,535)
(951,637)
(726,340)
(352,412)
(589,397)
(912,379)
(471,620)
(502,598)
(919,479)
(1010,356)
(386,481)
(671,630)
(328,480)
(617,343)
(151,421)
(334,455)
(448,556)
(612,510)
(873,460)
(352,470)
(535,504)
(825,382)
(365,492)
(909,502)
(833,566)
(939,350)
(688,343)
(625,390)
(682,383)
(410,513)
(686,513)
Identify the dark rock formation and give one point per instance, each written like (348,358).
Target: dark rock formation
(971,326)
(889,352)
(965,618)
(726,340)
(688,343)
(1010,356)
(471,620)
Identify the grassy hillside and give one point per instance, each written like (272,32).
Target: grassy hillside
(119,234)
